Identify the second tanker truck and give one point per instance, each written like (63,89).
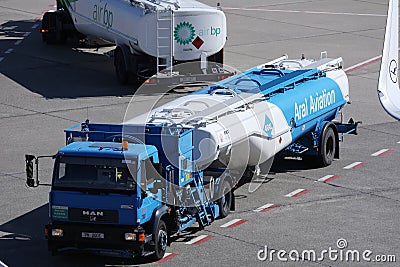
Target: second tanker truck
(151,36)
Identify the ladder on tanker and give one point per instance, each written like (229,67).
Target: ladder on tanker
(164,41)
(199,196)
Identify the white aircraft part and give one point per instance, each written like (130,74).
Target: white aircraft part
(196,27)
(388,88)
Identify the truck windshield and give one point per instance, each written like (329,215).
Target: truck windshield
(99,174)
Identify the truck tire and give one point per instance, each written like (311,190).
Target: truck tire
(160,241)
(120,67)
(327,149)
(225,201)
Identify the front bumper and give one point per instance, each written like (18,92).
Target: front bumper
(112,243)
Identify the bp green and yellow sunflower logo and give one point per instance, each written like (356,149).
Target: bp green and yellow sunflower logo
(184,33)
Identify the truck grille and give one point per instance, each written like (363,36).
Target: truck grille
(87,215)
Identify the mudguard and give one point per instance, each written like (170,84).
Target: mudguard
(161,211)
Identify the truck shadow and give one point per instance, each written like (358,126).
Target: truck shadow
(289,164)
(279,165)
(56,71)
(67,71)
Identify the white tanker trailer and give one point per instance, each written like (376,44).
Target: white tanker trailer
(283,105)
(150,35)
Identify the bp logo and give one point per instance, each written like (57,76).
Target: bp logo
(184,33)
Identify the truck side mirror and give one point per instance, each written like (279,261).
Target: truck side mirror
(29,170)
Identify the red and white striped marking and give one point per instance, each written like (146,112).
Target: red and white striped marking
(328,178)
(199,240)
(167,257)
(267,207)
(382,152)
(362,64)
(297,193)
(355,165)
(2,264)
(233,223)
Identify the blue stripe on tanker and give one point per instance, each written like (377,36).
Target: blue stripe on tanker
(310,103)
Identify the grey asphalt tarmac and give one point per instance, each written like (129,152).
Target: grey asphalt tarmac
(45,89)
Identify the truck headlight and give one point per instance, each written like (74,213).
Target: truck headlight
(130,236)
(57,232)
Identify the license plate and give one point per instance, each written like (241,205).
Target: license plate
(92,235)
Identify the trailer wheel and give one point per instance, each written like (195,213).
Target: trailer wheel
(120,67)
(327,148)
(225,201)
(160,241)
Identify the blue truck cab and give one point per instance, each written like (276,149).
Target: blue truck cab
(119,198)
(98,183)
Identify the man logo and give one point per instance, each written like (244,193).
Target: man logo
(92,214)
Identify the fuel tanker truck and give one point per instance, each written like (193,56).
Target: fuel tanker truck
(149,35)
(125,189)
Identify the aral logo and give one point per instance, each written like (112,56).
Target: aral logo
(268,126)
(102,15)
(184,33)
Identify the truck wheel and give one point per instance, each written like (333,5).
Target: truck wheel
(52,22)
(327,148)
(120,67)
(160,241)
(225,201)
